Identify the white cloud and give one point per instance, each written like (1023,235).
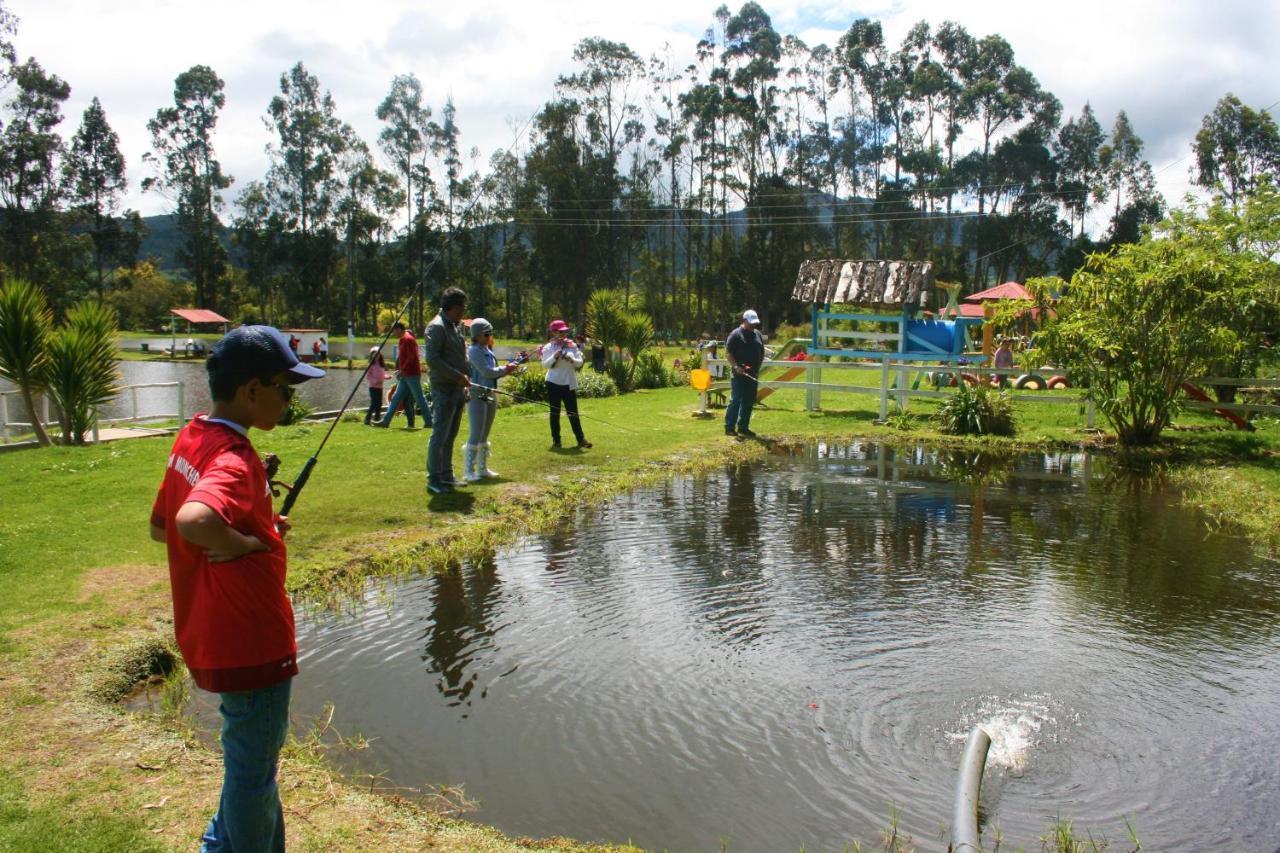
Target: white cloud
(1166,64)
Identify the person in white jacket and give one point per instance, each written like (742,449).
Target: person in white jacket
(563,359)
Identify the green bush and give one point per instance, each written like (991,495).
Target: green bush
(650,372)
(296,411)
(81,372)
(977,410)
(530,386)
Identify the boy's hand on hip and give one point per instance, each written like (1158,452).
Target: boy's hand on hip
(283,525)
(234,550)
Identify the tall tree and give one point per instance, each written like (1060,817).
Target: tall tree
(1235,147)
(1080,166)
(606,88)
(190,174)
(30,154)
(302,182)
(1129,176)
(405,140)
(95,177)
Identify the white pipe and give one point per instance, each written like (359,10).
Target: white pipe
(964,821)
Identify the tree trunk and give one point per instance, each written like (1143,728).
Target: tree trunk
(42,437)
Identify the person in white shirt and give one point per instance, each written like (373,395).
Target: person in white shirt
(563,359)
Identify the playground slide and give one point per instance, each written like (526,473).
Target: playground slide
(787,375)
(1197,394)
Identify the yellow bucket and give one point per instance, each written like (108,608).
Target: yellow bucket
(700,379)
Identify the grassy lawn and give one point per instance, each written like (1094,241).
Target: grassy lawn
(81,581)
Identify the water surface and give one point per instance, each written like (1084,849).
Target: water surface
(777,656)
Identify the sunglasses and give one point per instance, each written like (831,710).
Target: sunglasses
(286,390)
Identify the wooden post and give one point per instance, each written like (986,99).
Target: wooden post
(4,416)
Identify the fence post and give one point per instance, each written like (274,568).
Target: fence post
(4,416)
(182,420)
(1089,414)
(133,389)
(884,389)
(96,437)
(44,406)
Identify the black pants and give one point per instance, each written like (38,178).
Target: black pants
(375,405)
(557,394)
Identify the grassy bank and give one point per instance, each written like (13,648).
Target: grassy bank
(81,580)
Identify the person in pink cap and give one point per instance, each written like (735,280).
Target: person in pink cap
(563,359)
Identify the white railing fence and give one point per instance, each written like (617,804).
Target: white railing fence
(10,428)
(897,385)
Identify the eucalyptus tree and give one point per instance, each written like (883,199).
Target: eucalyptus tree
(753,50)
(607,90)
(30,158)
(863,63)
(96,183)
(367,197)
(1081,171)
(1235,148)
(256,233)
(190,174)
(302,183)
(405,140)
(558,197)
(445,146)
(671,136)
(1130,177)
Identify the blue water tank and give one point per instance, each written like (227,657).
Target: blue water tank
(940,333)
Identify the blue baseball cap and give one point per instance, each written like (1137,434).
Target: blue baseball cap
(260,351)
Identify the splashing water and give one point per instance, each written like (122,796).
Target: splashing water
(1016,728)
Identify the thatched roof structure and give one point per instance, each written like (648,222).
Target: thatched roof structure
(867,283)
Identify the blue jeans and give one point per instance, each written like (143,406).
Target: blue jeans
(249,816)
(446,413)
(742,398)
(405,386)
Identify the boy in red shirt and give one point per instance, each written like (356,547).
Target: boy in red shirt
(408,379)
(232,617)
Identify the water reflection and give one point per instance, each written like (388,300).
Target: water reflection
(778,653)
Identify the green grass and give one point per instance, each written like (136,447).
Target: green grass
(57,828)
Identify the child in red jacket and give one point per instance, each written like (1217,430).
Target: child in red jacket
(232,617)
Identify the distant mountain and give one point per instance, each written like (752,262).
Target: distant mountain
(163,241)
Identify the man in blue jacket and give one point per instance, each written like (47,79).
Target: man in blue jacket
(744,350)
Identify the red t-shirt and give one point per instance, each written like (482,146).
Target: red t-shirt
(233,620)
(407,355)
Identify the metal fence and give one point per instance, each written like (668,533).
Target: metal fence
(8,428)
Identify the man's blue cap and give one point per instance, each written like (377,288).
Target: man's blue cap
(261,351)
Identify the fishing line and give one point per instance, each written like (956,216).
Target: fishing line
(542,403)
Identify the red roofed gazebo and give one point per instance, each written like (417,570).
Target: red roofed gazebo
(197,316)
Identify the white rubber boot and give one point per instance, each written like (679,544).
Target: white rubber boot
(482,462)
(470,456)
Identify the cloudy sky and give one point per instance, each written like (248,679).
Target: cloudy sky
(1165,63)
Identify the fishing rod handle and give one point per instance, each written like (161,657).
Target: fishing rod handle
(296,488)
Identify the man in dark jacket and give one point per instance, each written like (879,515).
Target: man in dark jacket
(744,350)
(447,369)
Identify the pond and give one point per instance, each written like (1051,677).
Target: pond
(780,655)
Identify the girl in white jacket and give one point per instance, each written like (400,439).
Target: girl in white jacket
(563,359)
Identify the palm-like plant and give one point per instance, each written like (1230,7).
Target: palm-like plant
(82,371)
(606,318)
(637,337)
(25,323)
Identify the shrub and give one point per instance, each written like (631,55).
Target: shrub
(977,410)
(296,411)
(25,323)
(650,372)
(82,371)
(530,386)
